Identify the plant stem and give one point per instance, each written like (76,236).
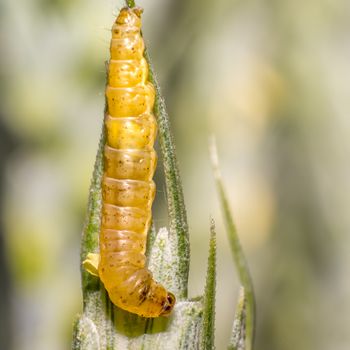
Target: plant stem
(130,3)
(208,329)
(238,255)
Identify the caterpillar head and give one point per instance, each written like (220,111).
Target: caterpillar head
(168,305)
(130,16)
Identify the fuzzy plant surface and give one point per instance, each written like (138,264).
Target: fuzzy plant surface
(102,325)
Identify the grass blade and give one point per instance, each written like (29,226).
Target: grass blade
(175,199)
(209,294)
(238,255)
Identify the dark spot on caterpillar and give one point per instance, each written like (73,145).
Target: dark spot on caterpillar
(143,293)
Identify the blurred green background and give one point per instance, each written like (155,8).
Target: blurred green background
(269,78)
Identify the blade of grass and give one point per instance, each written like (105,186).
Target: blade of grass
(237,252)
(176,205)
(209,294)
(89,241)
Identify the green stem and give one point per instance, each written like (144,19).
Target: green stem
(208,329)
(130,3)
(238,255)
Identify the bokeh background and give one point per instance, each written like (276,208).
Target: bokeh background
(269,78)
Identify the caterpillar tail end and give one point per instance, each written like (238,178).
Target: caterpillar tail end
(91,263)
(169,305)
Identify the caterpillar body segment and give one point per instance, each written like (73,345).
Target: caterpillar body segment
(127,186)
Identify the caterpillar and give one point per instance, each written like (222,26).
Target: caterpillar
(128,190)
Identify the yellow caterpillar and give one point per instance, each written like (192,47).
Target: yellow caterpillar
(127,187)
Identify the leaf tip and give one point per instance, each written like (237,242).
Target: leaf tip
(238,335)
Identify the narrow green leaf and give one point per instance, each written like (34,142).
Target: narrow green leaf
(238,255)
(175,199)
(89,241)
(238,339)
(208,327)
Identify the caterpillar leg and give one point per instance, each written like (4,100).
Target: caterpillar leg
(91,263)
